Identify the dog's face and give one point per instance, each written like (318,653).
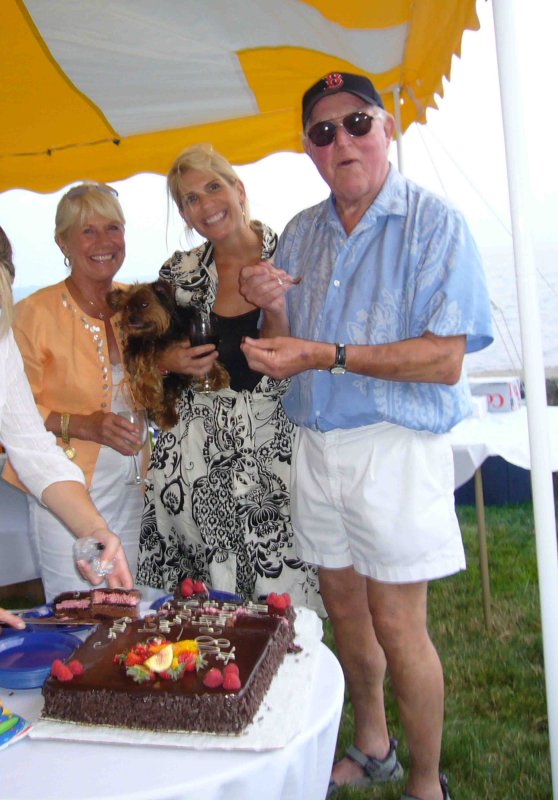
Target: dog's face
(146,308)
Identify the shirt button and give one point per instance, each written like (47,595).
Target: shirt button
(337,284)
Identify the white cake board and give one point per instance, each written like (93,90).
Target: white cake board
(277,721)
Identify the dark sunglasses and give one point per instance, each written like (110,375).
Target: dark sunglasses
(356,124)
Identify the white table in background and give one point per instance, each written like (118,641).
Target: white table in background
(505,435)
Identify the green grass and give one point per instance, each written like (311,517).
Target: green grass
(495,744)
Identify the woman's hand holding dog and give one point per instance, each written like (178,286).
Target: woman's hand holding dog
(108,429)
(182,359)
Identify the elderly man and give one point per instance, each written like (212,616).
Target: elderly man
(391,295)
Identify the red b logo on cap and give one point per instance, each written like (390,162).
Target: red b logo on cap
(333,81)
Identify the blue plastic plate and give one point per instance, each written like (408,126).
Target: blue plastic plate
(214,594)
(224,597)
(47,612)
(26,656)
(156,604)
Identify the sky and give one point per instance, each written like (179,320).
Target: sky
(458,154)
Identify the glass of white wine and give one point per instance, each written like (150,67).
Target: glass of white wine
(137,417)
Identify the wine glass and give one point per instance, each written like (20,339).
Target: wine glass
(203,330)
(137,417)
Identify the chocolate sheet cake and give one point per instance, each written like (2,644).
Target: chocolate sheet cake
(202,666)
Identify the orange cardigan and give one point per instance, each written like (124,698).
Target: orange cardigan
(67,362)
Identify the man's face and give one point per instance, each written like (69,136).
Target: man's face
(354,167)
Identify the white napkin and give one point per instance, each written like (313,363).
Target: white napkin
(277,721)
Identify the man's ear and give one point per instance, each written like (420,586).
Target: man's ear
(389,127)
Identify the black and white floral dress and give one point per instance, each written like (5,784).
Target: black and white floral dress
(217,502)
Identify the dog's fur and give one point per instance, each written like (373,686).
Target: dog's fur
(151,320)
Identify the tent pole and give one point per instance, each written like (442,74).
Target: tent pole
(515,110)
(398,129)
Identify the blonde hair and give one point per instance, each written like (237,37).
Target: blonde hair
(84,200)
(201,157)
(7,273)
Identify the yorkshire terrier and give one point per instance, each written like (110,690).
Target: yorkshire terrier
(151,320)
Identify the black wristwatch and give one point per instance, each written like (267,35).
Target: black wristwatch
(339,366)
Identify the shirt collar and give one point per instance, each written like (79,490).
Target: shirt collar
(391,201)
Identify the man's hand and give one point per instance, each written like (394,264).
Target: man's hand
(284,356)
(264,286)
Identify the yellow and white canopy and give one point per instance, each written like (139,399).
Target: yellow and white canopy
(104,89)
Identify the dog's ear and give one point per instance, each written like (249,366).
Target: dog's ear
(164,291)
(116,299)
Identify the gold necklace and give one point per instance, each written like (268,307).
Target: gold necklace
(96,313)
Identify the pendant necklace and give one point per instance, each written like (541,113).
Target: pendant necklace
(97,314)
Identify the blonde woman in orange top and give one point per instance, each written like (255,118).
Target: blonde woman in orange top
(69,340)
(40,463)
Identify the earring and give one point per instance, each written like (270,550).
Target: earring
(243,209)
(67,262)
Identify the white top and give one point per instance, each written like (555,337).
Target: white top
(30,447)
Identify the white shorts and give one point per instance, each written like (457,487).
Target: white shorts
(378,498)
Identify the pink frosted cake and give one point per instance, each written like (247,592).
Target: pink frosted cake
(97,604)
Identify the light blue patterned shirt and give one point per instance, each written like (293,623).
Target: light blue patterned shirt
(409,266)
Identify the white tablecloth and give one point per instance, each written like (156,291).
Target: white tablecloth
(505,435)
(61,770)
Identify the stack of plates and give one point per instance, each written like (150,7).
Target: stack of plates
(26,656)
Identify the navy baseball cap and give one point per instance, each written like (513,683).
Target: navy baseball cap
(339,82)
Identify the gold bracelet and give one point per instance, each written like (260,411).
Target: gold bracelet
(65,435)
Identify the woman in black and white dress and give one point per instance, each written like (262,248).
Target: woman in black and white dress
(218,506)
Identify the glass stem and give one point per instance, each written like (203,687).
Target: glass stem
(138,476)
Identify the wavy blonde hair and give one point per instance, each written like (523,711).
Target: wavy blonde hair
(81,202)
(7,273)
(201,157)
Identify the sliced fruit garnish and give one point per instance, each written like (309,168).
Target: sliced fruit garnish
(185,645)
(161,661)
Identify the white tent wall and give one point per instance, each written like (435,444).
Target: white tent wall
(511,59)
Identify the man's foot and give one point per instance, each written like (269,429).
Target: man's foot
(358,770)
(443,786)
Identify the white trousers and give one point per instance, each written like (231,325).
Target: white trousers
(120,504)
